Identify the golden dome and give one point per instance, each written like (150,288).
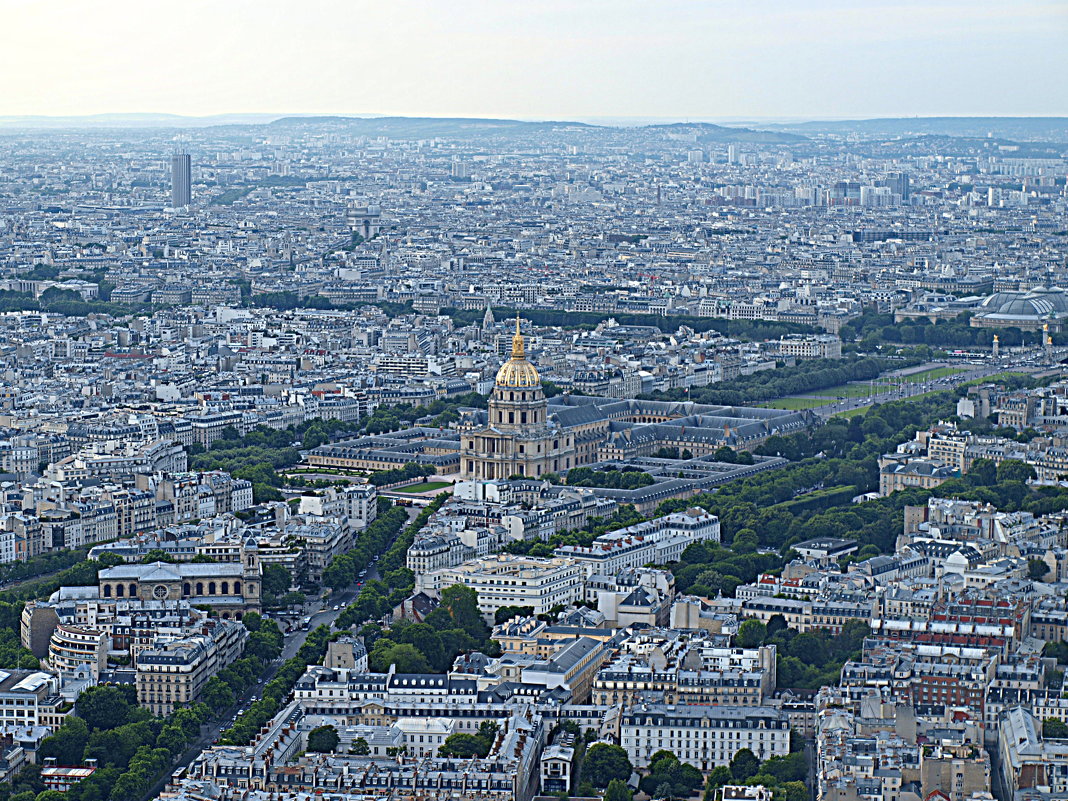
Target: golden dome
(517,371)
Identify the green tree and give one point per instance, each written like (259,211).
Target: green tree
(404,656)
(720,776)
(1054,729)
(323,739)
(751,634)
(68,743)
(605,762)
(744,764)
(360,747)
(464,746)
(618,791)
(103,707)
(1015,470)
(1036,569)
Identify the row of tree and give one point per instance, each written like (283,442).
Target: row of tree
(277,690)
(612,478)
(874,329)
(343,569)
(412,470)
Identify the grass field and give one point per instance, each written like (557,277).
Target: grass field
(859,390)
(993,379)
(426,486)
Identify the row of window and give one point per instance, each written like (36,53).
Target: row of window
(120,590)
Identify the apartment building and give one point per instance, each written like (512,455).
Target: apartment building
(509,580)
(702,736)
(172,672)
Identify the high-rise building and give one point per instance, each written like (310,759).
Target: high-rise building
(181,180)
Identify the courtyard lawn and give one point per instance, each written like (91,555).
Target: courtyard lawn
(426,486)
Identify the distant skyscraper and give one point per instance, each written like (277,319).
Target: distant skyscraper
(181,180)
(732,154)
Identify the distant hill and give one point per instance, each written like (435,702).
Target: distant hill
(132,121)
(425,127)
(708,132)
(1018,128)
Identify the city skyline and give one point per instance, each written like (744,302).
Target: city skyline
(679,60)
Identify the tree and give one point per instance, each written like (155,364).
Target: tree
(276,579)
(776,624)
(745,541)
(1054,729)
(1015,470)
(744,764)
(404,656)
(719,776)
(67,745)
(464,746)
(323,739)
(618,791)
(103,707)
(360,747)
(751,634)
(461,603)
(1036,569)
(605,762)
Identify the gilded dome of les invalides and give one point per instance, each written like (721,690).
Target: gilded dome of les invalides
(517,372)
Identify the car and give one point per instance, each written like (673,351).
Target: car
(337,608)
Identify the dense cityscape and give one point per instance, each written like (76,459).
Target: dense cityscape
(426,458)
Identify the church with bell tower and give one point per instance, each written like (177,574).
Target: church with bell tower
(518,439)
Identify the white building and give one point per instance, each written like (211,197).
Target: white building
(703,736)
(508,580)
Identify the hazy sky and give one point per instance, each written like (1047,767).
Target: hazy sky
(537,58)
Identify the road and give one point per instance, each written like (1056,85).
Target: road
(320,614)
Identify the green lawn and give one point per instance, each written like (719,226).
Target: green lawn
(426,486)
(859,390)
(998,377)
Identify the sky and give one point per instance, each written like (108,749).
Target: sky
(537,59)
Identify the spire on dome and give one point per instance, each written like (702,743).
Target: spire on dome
(518,351)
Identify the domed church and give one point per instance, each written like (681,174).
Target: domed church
(518,438)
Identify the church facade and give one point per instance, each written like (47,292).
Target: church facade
(230,588)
